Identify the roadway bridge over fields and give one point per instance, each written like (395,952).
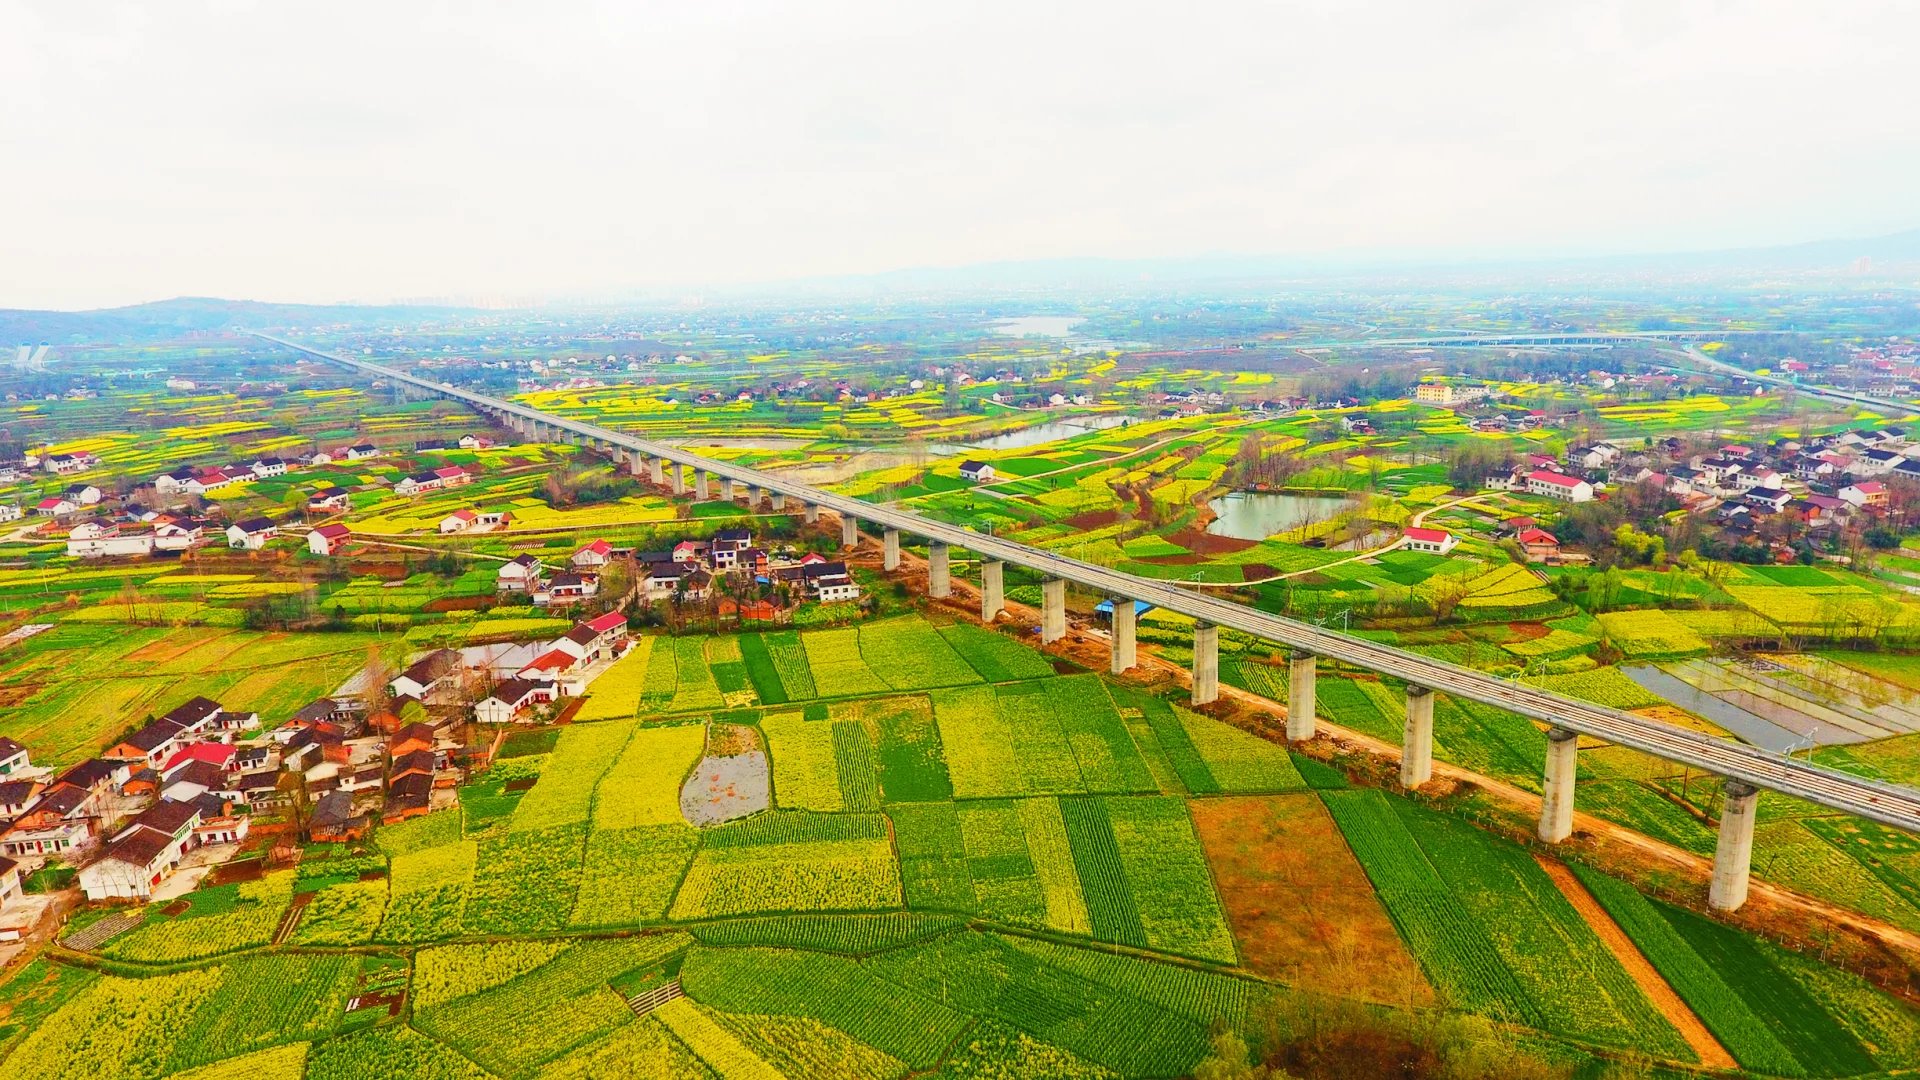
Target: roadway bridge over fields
(1747,769)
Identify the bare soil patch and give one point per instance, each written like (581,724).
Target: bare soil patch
(14,695)
(460,603)
(1299,902)
(1174,560)
(1093,519)
(1209,544)
(244,870)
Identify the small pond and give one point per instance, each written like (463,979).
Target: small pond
(1256,515)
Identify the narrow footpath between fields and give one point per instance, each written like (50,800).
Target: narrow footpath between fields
(1652,984)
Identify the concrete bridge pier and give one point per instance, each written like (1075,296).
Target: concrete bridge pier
(753,496)
(657,470)
(700,484)
(1206,663)
(676,478)
(727,493)
(779,500)
(1125,654)
(849,531)
(1416,743)
(1302,668)
(939,574)
(993,589)
(1556,791)
(1053,610)
(890,550)
(636,464)
(1733,856)
(812,513)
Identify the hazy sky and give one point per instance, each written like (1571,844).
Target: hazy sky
(347,150)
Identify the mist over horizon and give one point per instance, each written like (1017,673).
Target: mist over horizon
(601,151)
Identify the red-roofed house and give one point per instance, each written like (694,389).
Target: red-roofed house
(1539,544)
(1868,494)
(593,556)
(1558,486)
(328,539)
(458,521)
(453,476)
(220,755)
(551,665)
(1431,541)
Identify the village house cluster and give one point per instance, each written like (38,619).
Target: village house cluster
(183,787)
(131,529)
(689,571)
(1822,482)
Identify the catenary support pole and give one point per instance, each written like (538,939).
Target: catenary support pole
(1556,790)
(1206,663)
(1416,742)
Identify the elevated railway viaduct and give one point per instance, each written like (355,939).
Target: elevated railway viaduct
(1746,770)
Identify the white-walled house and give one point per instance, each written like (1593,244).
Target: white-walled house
(251,535)
(1558,486)
(1431,541)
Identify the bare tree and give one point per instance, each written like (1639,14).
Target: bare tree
(291,786)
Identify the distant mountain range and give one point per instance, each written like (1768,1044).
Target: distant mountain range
(1892,259)
(168,319)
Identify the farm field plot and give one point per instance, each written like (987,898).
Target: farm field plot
(1492,930)
(792,861)
(909,654)
(1299,904)
(970,864)
(557,1006)
(617,692)
(836,666)
(1052,736)
(995,656)
(79,686)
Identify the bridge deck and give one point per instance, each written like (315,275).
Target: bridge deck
(1890,804)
